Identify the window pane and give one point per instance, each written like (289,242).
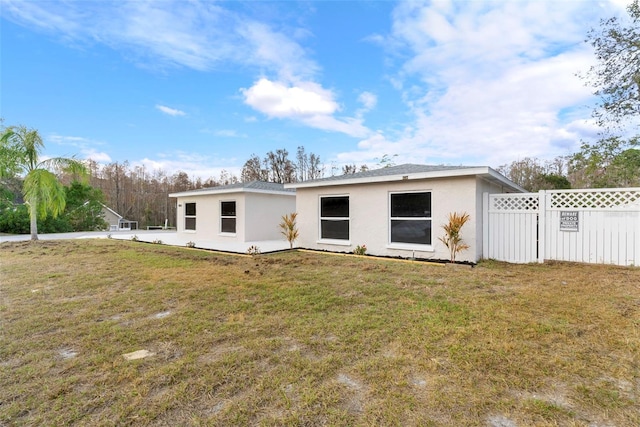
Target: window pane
(190,223)
(335,229)
(411,231)
(334,207)
(228,208)
(411,205)
(190,209)
(228,225)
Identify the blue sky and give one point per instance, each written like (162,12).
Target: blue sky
(200,86)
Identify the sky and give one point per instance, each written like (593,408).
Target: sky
(200,86)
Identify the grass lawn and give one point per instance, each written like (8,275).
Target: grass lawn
(300,338)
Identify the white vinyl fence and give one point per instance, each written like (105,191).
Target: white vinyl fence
(592,226)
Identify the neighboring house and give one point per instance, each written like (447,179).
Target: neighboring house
(116,221)
(236,213)
(396,211)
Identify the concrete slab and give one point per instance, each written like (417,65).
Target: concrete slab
(167,237)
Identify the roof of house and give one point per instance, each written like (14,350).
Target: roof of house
(105,207)
(240,187)
(409,172)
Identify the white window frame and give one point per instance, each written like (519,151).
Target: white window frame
(410,246)
(339,242)
(195,220)
(235,217)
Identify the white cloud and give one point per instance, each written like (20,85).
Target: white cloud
(276,99)
(306,102)
(97,156)
(85,146)
(204,36)
(229,133)
(170,111)
(193,164)
(489,82)
(200,35)
(368,100)
(276,51)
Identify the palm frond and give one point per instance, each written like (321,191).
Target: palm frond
(24,142)
(13,156)
(42,188)
(72,166)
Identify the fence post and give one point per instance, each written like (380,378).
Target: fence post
(542,224)
(485,225)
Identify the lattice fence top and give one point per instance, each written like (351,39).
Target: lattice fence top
(514,202)
(601,199)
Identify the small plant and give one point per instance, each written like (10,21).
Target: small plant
(157,242)
(289,228)
(360,250)
(134,238)
(191,244)
(452,239)
(253,250)
(109,236)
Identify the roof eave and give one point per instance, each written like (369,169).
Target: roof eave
(447,173)
(230,191)
(497,176)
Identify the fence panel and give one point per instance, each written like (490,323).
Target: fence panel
(607,229)
(512,227)
(592,226)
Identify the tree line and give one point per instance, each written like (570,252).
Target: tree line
(609,163)
(142,195)
(135,192)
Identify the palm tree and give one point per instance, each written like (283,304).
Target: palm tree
(43,193)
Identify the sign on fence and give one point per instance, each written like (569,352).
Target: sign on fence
(569,221)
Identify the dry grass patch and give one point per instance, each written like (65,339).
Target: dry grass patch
(310,339)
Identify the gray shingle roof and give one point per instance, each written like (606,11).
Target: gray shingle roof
(241,186)
(253,185)
(404,169)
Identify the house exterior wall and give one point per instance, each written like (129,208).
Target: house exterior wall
(369,213)
(208,217)
(257,216)
(263,213)
(110,217)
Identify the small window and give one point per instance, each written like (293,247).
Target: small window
(189,216)
(334,218)
(410,218)
(227,217)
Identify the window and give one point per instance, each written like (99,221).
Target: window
(334,217)
(227,217)
(189,216)
(411,218)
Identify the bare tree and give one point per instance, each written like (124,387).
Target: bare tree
(349,169)
(253,171)
(281,169)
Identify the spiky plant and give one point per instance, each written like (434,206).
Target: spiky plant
(289,228)
(452,239)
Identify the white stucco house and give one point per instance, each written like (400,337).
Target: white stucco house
(396,211)
(233,215)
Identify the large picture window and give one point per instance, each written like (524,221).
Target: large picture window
(228,217)
(334,217)
(189,216)
(410,218)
